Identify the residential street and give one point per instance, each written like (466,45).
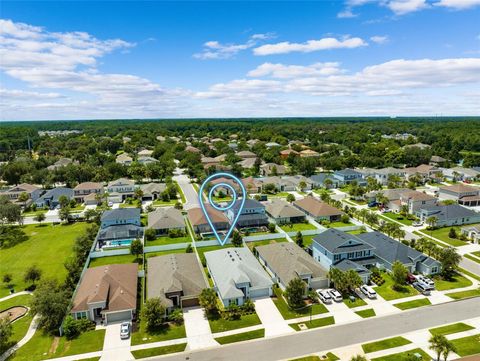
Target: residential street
(191,195)
(328,338)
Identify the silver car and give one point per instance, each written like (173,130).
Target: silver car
(125,330)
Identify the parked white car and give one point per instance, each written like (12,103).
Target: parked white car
(125,330)
(368,291)
(324,296)
(422,288)
(336,296)
(426,281)
(417,224)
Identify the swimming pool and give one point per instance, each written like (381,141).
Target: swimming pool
(119,243)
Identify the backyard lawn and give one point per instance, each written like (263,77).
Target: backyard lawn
(48,246)
(122,259)
(388,293)
(295,227)
(43,346)
(251,245)
(157,351)
(244,336)
(413,304)
(384,344)
(161,241)
(319,322)
(160,203)
(288,313)
(467,346)
(457,281)
(405,356)
(307,241)
(20,326)
(449,329)
(220,325)
(339,224)
(398,218)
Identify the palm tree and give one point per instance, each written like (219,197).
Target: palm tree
(362,214)
(432,222)
(358,358)
(327,183)
(447,348)
(437,344)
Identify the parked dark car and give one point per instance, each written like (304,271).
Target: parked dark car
(411,278)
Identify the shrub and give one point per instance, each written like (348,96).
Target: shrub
(271,228)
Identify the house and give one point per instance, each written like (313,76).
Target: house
(384,175)
(286,261)
(62,162)
(252,215)
(297,181)
(318,210)
(84,189)
(90,199)
(252,142)
(213,162)
(284,213)
(108,293)
(463,194)
(420,146)
(415,200)
(124,159)
(284,154)
(247,163)
(120,216)
(146,160)
(120,189)
(268,169)
(307,153)
(145,153)
(392,195)
(192,149)
(252,185)
(177,279)
(164,219)
(425,172)
(51,198)
(152,191)
(32,191)
(237,275)
(246,154)
(272,145)
(436,160)
(199,221)
(449,215)
(472,232)
(118,235)
(320,181)
(348,176)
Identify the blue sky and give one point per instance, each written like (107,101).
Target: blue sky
(84,60)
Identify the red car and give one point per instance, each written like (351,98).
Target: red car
(411,278)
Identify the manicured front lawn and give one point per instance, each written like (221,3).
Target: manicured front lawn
(476,253)
(464,294)
(288,313)
(319,322)
(156,351)
(457,281)
(48,246)
(244,336)
(449,329)
(42,346)
(385,344)
(404,356)
(471,258)
(34,213)
(442,235)
(252,245)
(388,293)
(469,274)
(220,325)
(161,241)
(307,240)
(398,218)
(160,203)
(352,304)
(369,312)
(169,332)
(297,227)
(467,346)
(413,304)
(20,326)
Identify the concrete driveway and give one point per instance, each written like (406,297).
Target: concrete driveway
(197,328)
(114,348)
(271,318)
(342,313)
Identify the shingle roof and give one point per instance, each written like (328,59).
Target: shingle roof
(120,213)
(249,203)
(116,284)
(151,188)
(289,261)
(174,273)
(452,211)
(56,193)
(459,188)
(88,185)
(281,209)
(165,218)
(120,231)
(316,208)
(336,241)
(231,266)
(196,216)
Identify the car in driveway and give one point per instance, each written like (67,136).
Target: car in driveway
(417,224)
(427,282)
(411,278)
(423,289)
(125,330)
(324,296)
(336,296)
(368,291)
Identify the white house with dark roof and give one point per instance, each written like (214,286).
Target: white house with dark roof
(31,190)
(237,275)
(449,215)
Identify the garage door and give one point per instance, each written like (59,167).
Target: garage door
(262,292)
(119,316)
(190,302)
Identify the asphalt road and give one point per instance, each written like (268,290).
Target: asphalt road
(470,266)
(324,339)
(191,195)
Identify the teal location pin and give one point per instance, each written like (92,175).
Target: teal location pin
(235,199)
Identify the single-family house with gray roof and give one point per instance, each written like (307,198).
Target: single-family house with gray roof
(252,215)
(51,198)
(286,261)
(237,275)
(152,191)
(448,215)
(284,213)
(120,216)
(164,219)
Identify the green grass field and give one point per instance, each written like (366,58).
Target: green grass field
(161,241)
(449,329)
(388,293)
(385,344)
(467,346)
(464,294)
(169,332)
(404,356)
(48,247)
(244,336)
(413,304)
(122,259)
(288,313)
(369,312)
(157,351)
(20,326)
(442,235)
(297,227)
(251,245)
(319,322)
(472,258)
(220,325)
(339,224)
(352,304)
(457,281)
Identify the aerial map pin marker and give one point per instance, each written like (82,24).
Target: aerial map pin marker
(235,198)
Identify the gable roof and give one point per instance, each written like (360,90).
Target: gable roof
(116,284)
(289,261)
(165,218)
(232,266)
(249,203)
(459,188)
(316,207)
(196,216)
(246,154)
(151,188)
(120,213)
(282,209)
(178,272)
(451,211)
(88,185)
(336,241)
(56,193)
(24,187)
(121,182)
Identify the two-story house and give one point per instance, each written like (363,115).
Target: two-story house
(348,176)
(120,189)
(463,194)
(84,189)
(415,200)
(51,198)
(253,214)
(33,193)
(237,275)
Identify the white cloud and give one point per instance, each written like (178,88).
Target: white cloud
(379,39)
(458,4)
(282,71)
(309,46)
(402,7)
(347,13)
(215,50)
